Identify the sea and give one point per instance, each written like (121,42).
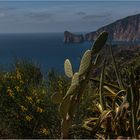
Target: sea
(47,50)
(25,28)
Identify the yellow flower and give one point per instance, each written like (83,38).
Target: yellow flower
(29,118)
(45,131)
(29,98)
(17,88)
(40,110)
(23,108)
(18,75)
(10,92)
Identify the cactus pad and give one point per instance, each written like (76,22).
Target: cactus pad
(85,62)
(75,79)
(64,107)
(68,68)
(99,43)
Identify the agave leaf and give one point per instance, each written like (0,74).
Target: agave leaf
(101,119)
(64,107)
(98,61)
(116,97)
(56,98)
(110,90)
(105,83)
(104,115)
(89,122)
(118,76)
(68,68)
(98,105)
(134,105)
(99,43)
(125,106)
(85,62)
(102,98)
(85,125)
(91,119)
(75,79)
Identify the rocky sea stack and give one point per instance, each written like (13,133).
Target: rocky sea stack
(72,38)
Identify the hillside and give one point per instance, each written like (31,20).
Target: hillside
(126,29)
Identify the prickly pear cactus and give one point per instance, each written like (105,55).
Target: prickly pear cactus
(72,98)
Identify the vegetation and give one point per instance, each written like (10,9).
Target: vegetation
(100,101)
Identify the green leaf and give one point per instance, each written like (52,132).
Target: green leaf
(101,119)
(68,68)
(85,62)
(98,61)
(89,122)
(110,90)
(99,43)
(102,98)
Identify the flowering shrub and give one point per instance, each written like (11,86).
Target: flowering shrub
(25,105)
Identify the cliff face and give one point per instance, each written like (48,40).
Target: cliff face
(72,38)
(126,29)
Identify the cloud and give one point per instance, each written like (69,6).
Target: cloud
(80,13)
(2,14)
(39,16)
(96,17)
(92,16)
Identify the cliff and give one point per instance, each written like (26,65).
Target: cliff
(72,38)
(126,29)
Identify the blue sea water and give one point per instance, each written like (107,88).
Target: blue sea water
(46,49)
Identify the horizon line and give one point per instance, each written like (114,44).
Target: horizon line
(68,0)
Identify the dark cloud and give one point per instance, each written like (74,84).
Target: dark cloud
(96,17)
(39,16)
(81,13)
(92,16)
(7,8)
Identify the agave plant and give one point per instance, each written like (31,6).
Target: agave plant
(118,108)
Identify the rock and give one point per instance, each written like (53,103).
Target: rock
(72,38)
(126,29)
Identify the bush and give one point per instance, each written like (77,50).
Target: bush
(25,104)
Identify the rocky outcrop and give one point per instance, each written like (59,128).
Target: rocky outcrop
(126,29)
(72,38)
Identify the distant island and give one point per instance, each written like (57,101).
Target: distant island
(126,29)
(69,37)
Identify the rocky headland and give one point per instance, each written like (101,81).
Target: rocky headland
(126,29)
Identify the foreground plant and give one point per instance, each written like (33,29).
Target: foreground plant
(117,107)
(79,80)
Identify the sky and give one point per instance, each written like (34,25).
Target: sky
(58,16)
